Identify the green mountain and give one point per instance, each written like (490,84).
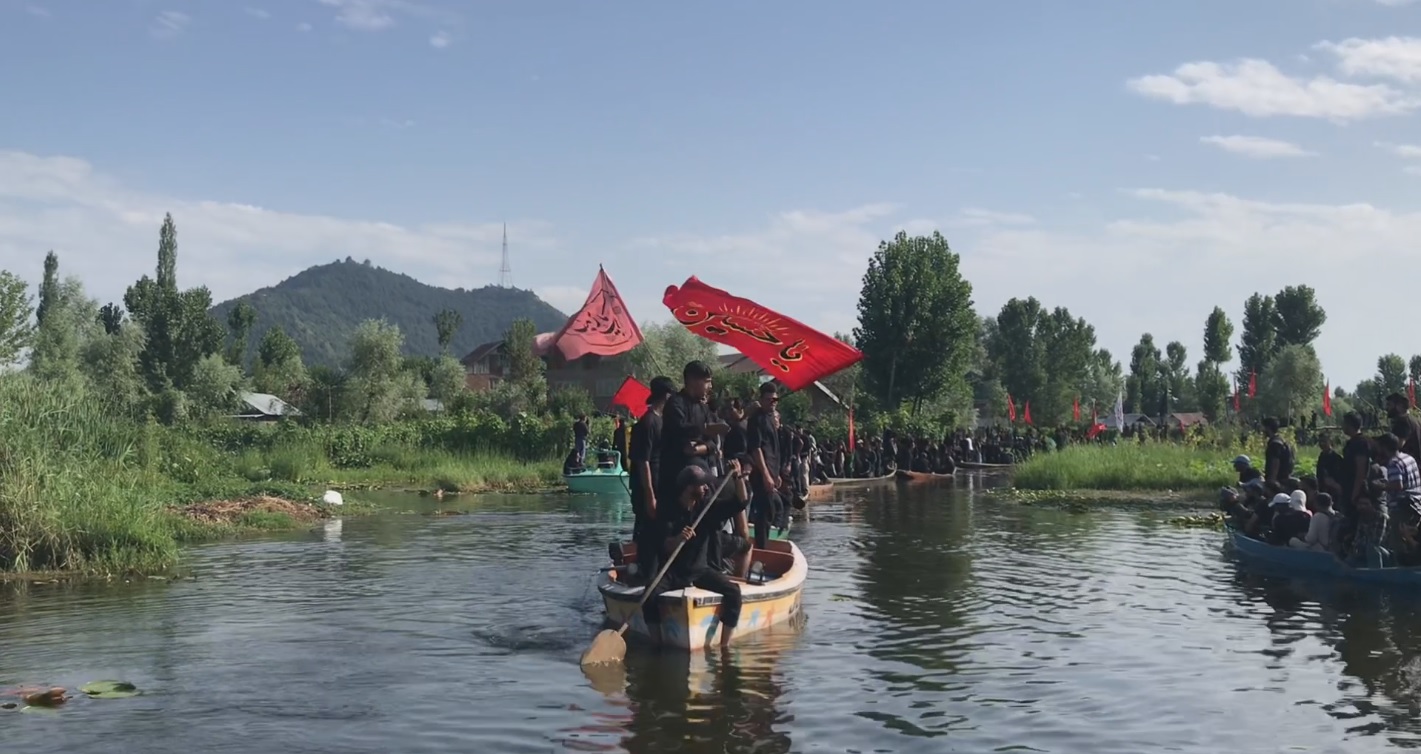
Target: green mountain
(321,307)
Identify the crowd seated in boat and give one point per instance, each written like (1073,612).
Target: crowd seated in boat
(1363,505)
(572,464)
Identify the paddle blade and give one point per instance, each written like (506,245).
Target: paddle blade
(799,503)
(607,647)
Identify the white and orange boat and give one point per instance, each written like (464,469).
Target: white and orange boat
(689,616)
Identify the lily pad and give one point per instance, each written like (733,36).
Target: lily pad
(109,689)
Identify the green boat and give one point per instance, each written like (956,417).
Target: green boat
(606,479)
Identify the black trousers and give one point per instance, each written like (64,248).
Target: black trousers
(765,505)
(709,580)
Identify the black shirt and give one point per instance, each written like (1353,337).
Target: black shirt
(683,421)
(761,436)
(736,442)
(1329,467)
(646,447)
(1288,523)
(1249,474)
(1278,450)
(1356,448)
(693,558)
(579,429)
(1408,430)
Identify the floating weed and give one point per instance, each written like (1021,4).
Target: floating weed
(1205,521)
(109,690)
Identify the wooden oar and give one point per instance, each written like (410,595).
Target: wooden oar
(608,646)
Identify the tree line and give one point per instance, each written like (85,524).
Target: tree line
(928,355)
(161,354)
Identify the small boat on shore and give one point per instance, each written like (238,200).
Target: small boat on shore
(856,482)
(688,616)
(978,466)
(1311,562)
(919,477)
(608,478)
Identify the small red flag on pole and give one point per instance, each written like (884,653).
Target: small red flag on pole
(1327,399)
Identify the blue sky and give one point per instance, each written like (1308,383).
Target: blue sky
(1136,162)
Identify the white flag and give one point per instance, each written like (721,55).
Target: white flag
(1120,410)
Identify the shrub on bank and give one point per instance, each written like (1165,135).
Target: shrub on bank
(1132,466)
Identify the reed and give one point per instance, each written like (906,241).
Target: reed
(84,488)
(1149,466)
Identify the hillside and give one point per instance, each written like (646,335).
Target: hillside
(321,307)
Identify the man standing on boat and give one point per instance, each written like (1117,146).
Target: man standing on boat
(687,426)
(693,566)
(645,453)
(764,448)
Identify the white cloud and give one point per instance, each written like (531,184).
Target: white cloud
(440,40)
(1395,3)
(169,23)
(1257,147)
(1397,58)
(566,298)
(973,217)
(377,15)
(303,27)
(258,13)
(1258,89)
(1412,169)
(363,15)
(1409,151)
(108,232)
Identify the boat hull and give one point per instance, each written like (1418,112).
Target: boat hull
(599,483)
(820,492)
(917,477)
(974,466)
(1319,563)
(690,617)
(854,482)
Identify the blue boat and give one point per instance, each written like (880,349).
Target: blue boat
(1311,562)
(605,479)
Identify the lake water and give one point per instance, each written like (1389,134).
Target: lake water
(937,622)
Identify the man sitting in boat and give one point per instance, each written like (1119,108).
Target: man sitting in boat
(1320,528)
(1290,518)
(572,464)
(694,565)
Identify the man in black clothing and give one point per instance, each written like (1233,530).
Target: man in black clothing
(694,566)
(1278,459)
(1356,460)
(1405,426)
(687,426)
(579,438)
(645,455)
(619,442)
(1329,465)
(764,447)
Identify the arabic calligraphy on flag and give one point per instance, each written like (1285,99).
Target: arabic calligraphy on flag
(603,326)
(788,350)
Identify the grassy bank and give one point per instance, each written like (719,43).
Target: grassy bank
(1147,467)
(85,489)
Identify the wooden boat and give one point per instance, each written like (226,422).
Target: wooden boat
(978,466)
(688,616)
(606,479)
(855,482)
(918,477)
(1311,562)
(820,492)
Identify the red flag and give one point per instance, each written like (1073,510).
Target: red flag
(632,394)
(1252,385)
(1238,406)
(1076,410)
(852,443)
(602,326)
(1094,430)
(786,349)
(1026,415)
(1011,409)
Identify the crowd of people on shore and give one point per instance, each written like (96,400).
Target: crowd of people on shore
(1362,504)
